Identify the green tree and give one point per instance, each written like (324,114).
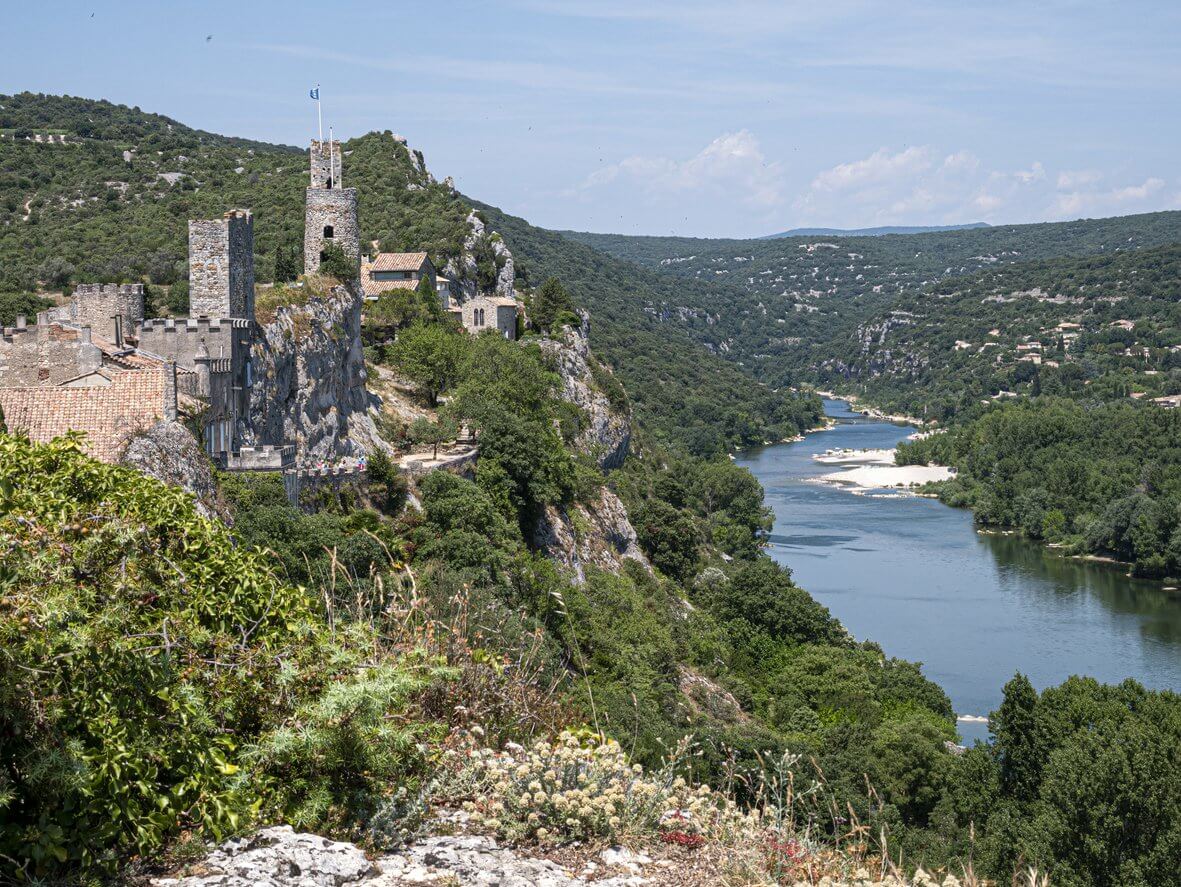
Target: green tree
(287,265)
(550,306)
(1014,727)
(334,262)
(432,432)
(430,355)
(669,538)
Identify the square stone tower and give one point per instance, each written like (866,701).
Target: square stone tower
(221,266)
(331,211)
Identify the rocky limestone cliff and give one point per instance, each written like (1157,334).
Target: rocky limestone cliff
(596,532)
(309,379)
(606,431)
(168,451)
(463,269)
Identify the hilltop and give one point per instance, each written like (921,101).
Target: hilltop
(872,232)
(110,203)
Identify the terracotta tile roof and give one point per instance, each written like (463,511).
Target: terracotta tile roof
(110,416)
(397,262)
(377,287)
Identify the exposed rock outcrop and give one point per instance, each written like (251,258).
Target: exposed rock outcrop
(168,451)
(279,857)
(463,270)
(309,380)
(595,533)
(606,432)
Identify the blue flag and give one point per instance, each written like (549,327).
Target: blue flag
(315,93)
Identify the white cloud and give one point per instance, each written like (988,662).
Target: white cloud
(1130,198)
(913,186)
(1035,173)
(881,166)
(1075,178)
(732,165)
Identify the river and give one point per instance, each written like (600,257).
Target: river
(914,575)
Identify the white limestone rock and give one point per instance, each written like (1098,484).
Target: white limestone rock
(168,451)
(606,431)
(309,380)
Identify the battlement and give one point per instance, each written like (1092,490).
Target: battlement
(87,290)
(261,458)
(190,325)
(325,163)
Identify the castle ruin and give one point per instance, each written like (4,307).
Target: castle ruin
(330,214)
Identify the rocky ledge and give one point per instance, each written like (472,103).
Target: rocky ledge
(281,857)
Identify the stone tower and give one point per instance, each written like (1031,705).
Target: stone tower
(331,213)
(221,266)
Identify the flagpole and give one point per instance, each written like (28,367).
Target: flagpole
(332,157)
(319,116)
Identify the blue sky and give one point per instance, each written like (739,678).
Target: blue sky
(672,116)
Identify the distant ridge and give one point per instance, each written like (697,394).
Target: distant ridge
(871,232)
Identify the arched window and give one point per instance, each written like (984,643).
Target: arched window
(328,232)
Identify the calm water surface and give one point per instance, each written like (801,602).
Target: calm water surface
(915,576)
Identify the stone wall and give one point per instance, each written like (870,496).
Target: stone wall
(324,162)
(45,354)
(221,266)
(498,314)
(180,339)
(335,208)
(96,305)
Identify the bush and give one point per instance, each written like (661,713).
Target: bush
(334,262)
(143,653)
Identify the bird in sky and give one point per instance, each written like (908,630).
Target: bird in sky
(208,38)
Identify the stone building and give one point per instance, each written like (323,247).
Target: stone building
(330,214)
(490,312)
(221,266)
(110,310)
(394,271)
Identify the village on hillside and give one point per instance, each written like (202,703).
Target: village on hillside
(96,365)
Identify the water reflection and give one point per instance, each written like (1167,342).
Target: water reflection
(915,576)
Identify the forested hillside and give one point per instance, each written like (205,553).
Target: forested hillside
(1099,328)
(80,211)
(811,309)
(706,404)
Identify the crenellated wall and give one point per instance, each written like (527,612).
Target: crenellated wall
(45,354)
(97,305)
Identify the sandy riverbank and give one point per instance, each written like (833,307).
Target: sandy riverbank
(867,470)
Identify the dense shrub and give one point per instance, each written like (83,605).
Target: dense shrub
(142,654)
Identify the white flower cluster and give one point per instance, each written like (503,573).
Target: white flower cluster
(580,786)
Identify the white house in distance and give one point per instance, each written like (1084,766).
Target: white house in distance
(396,271)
